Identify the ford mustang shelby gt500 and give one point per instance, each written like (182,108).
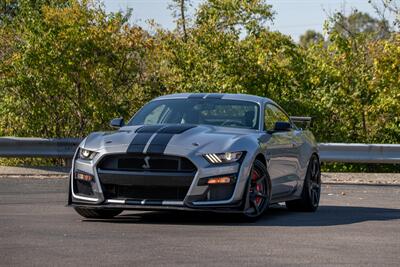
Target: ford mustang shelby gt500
(214,152)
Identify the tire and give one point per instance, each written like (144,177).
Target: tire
(258,196)
(97,213)
(311,192)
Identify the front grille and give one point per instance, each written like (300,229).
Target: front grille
(141,162)
(150,177)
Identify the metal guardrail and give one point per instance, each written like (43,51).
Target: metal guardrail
(329,152)
(19,147)
(359,153)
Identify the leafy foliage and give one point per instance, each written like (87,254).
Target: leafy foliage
(68,67)
(355,102)
(310,37)
(359,22)
(71,69)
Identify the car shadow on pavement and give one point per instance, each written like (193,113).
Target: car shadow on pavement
(276,216)
(328,216)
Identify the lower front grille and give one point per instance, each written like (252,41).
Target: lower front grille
(145,185)
(145,192)
(143,177)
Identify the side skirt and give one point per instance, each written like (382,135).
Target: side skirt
(283,199)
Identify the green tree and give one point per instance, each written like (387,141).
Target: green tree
(229,49)
(311,37)
(73,68)
(179,8)
(359,22)
(10,8)
(350,93)
(235,15)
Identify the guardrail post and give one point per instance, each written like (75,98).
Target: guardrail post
(68,162)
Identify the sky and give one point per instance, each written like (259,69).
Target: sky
(293,17)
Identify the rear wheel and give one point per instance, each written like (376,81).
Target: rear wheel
(310,195)
(97,213)
(258,193)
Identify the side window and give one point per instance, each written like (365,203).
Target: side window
(156,115)
(273,114)
(280,115)
(269,118)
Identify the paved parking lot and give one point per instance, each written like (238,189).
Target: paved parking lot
(355,225)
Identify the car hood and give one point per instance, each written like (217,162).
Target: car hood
(172,139)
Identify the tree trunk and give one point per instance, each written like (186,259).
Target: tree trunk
(183,19)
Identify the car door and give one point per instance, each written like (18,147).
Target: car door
(281,152)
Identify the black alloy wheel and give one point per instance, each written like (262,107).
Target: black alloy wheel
(259,192)
(311,193)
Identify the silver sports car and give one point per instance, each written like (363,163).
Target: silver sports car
(212,152)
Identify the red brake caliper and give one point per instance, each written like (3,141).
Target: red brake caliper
(258,187)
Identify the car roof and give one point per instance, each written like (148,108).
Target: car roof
(245,97)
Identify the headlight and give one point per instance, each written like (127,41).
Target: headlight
(223,157)
(86,154)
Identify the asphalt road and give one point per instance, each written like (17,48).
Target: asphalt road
(356,225)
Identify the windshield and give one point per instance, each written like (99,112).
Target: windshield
(218,112)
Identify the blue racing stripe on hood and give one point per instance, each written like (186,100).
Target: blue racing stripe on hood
(143,135)
(164,133)
(161,140)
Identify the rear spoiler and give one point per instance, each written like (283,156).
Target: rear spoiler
(301,121)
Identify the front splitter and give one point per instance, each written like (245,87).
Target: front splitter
(151,205)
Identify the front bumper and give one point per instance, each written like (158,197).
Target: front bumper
(194,199)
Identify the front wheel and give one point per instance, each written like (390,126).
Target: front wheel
(311,193)
(97,213)
(259,192)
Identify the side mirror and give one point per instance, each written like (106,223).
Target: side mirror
(117,123)
(281,126)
